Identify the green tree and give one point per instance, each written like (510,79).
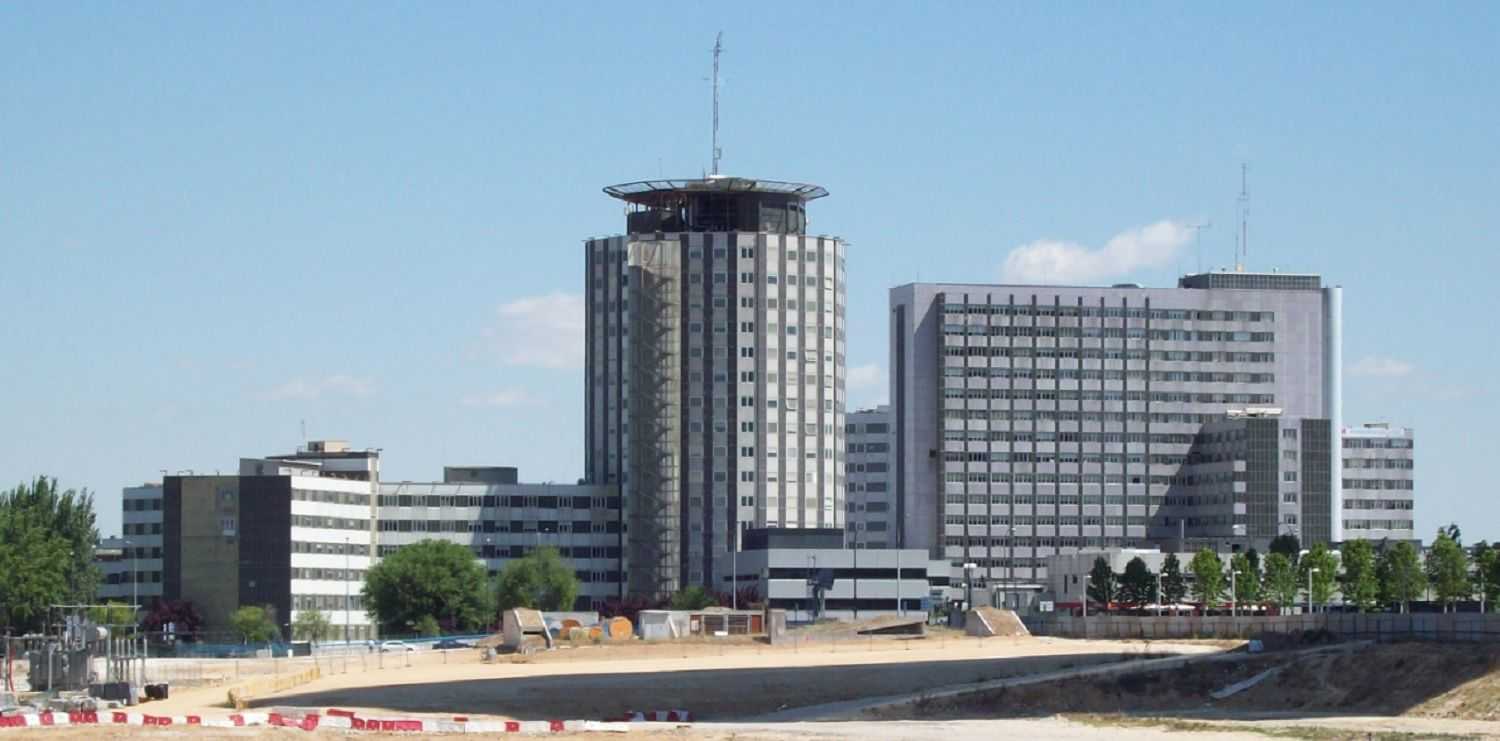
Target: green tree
(1400,573)
(1447,569)
(1359,583)
(428,627)
(1324,568)
(693,598)
(47,538)
(117,616)
(254,624)
(1208,578)
(1280,580)
(1137,584)
(311,625)
(1487,572)
(1287,545)
(1102,583)
(1173,585)
(1246,579)
(432,578)
(541,581)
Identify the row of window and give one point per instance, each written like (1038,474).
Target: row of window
(872,486)
(1396,463)
(141,577)
(1034,541)
(151,504)
(869,428)
(1108,311)
(331,549)
(496,501)
(869,447)
(1377,524)
(329,523)
(1383,484)
(1092,500)
(1046,520)
(1112,479)
(1100,374)
(495,526)
(1074,457)
(1377,504)
(1399,443)
(1094,353)
(142,528)
(1049,436)
(1105,395)
(329,497)
(1050,415)
(328,602)
(870,507)
(329,574)
(1134,333)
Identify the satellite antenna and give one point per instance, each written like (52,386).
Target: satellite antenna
(1244,200)
(718,49)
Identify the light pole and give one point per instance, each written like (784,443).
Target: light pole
(135,589)
(734,568)
(1158,591)
(969,584)
(346,593)
(856,571)
(1310,573)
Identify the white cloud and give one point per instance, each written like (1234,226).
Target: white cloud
(540,331)
(866,384)
(1377,366)
(1056,262)
(305,388)
(502,398)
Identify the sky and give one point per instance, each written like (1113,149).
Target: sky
(222,225)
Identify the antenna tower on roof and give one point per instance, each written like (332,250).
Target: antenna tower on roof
(1244,201)
(718,49)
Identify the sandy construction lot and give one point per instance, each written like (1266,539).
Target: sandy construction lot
(715,681)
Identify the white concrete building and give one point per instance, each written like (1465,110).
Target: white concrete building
(715,371)
(1379,482)
(139,550)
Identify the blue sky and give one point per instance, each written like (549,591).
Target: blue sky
(220,221)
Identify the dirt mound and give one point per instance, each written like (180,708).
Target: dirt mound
(993,621)
(1424,679)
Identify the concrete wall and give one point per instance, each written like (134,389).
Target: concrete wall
(1425,626)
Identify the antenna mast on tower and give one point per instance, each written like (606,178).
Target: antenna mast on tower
(718,49)
(1244,201)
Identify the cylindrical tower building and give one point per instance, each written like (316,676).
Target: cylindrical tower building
(715,372)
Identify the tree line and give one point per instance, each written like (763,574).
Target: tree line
(1367,576)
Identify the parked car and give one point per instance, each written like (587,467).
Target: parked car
(451,643)
(390,646)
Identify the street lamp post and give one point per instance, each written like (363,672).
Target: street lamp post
(968,584)
(1310,573)
(346,593)
(1158,592)
(734,567)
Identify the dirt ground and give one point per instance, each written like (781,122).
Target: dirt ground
(1403,679)
(713,680)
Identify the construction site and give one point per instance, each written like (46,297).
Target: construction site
(556,674)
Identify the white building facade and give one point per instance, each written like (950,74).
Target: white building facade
(715,371)
(1379,462)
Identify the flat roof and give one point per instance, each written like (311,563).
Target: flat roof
(647,191)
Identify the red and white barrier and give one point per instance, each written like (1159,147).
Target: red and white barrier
(334,718)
